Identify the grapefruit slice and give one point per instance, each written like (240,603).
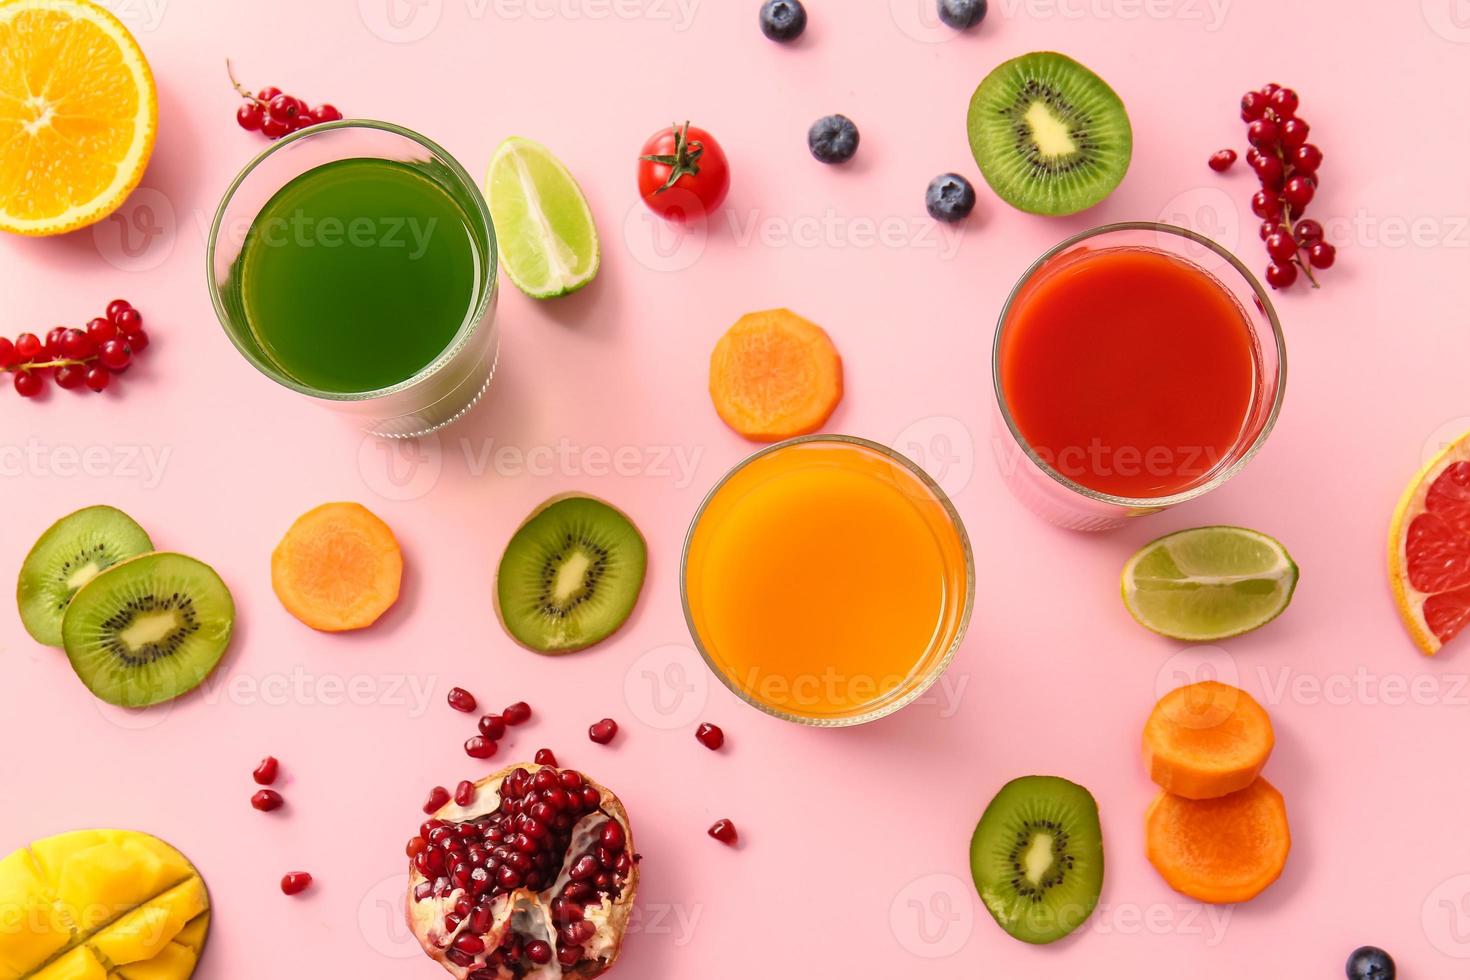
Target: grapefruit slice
(78,114)
(1429,549)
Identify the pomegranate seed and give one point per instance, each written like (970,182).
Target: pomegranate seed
(710,736)
(603,731)
(538,952)
(415,846)
(492,726)
(467,943)
(569,955)
(464,793)
(295,882)
(267,800)
(461,700)
(544,757)
(517,714)
(438,796)
(724,832)
(265,773)
(1222,161)
(612,836)
(480,747)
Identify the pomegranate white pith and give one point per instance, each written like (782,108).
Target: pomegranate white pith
(533,879)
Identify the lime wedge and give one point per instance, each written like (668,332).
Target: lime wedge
(548,242)
(1209,583)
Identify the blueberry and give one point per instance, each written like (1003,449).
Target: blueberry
(783,20)
(1370,963)
(962,14)
(833,139)
(950,198)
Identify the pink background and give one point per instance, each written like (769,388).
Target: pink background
(854,861)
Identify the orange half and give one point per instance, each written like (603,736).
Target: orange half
(1429,549)
(78,115)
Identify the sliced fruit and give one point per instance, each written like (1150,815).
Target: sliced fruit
(774,375)
(1037,857)
(69,555)
(78,115)
(1209,583)
(1049,135)
(570,576)
(1228,849)
(338,568)
(101,904)
(1206,740)
(543,226)
(148,629)
(1429,549)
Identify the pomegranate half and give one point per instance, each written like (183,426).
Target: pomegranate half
(533,878)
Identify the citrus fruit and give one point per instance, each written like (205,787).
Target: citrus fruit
(78,115)
(1209,583)
(1429,549)
(543,226)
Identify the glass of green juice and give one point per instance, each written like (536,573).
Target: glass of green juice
(354,262)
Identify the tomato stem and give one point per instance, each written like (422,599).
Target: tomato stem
(684,159)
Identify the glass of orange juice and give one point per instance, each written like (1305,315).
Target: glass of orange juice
(827,580)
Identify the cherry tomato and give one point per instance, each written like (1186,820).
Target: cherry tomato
(683,173)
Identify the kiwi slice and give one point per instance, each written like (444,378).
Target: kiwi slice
(72,552)
(148,629)
(570,576)
(1049,135)
(1037,857)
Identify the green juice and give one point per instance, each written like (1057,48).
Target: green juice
(358,274)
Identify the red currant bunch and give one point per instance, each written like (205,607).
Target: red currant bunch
(76,357)
(274,113)
(1286,166)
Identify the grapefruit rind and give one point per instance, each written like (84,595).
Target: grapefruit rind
(1409,600)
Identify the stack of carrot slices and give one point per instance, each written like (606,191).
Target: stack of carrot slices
(1218,831)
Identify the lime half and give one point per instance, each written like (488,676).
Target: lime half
(548,242)
(1209,583)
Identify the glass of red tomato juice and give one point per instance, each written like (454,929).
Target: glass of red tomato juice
(1136,366)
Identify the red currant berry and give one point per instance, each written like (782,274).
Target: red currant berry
(1270,89)
(1270,170)
(286,107)
(1294,133)
(326,112)
(1284,101)
(128,320)
(267,93)
(250,115)
(28,384)
(76,345)
(137,340)
(1263,134)
(1252,104)
(1253,156)
(115,355)
(1265,205)
(27,346)
(1321,255)
(1222,161)
(70,376)
(1306,158)
(1280,247)
(116,307)
(1298,193)
(53,340)
(275,128)
(1269,228)
(1280,276)
(97,377)
(100,330)
(1308,231)
(7,353)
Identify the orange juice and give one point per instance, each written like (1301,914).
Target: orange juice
(827,580)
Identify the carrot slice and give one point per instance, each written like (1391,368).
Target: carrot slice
(338,568)
(1207,739)
(774,375)
(1222,850)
